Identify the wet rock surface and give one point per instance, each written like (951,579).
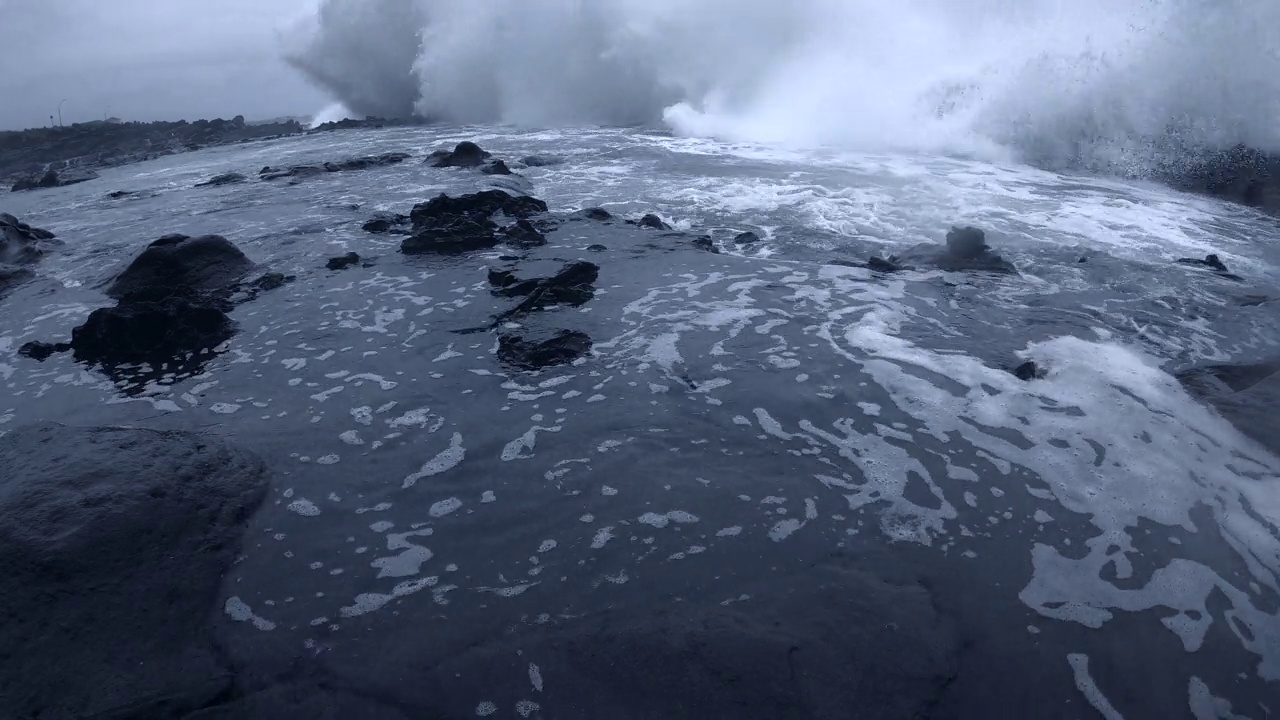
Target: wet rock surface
(965,250)
(343,262)
(223,179)
(560,349)
(461,224)
(179,265)
(1246,395)
(21,244)
(300,172)
(465,154)
(114,543)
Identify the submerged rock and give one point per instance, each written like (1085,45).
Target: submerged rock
(341,263)
(114,543)
(650,221)
(495,167)
(966,250)
(357,163)
(541,160)
(1028,371)
(524,234)
(224,179)
(53,178)
(12,277)
(561,349)
(465,154)
(746,238)
(596,213)
(181,265)
(1246,395)
(704,242)
(1212,262)
(42,351)
(386,223)
(21,244)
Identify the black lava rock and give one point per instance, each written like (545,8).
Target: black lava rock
(298,172)
(21,244)
(224,179)
(465,154)
(597,214)
(181,265)
(524,234)
(574,286)
(704,242)
(138,331)
(114,543)
(879,264)
(42,351)
(495,167)
(561,349)
(540,160)
(746,238)
(11,277)
(449,225)
(597,248)
(346,261)
(1212,262)
(966,250)
(1028,371)
(651,221)
(386,223)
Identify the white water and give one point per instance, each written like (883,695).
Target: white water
(1088,82)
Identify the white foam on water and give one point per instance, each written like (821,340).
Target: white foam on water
(680,517)
(1206,706)
(239,611)
(446,460)
(516,449)
(485,709)
(445,507)
(602,538)
(369,602)
(304,507)
(535,677)
(411,558)
(1084,682)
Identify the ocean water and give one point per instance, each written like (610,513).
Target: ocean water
(757,438)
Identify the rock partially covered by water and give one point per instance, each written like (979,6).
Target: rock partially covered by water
(1240,174)
(1212,262)
(11,277)
(343,262)
(574,286)
(560,349)
(297,172)
(223,179)
(386,223)
(966,249)
(53,178)
(21,244)
(523,234)
(181,265)
(1247,395)
(746,238)
(150,331)
(651,221)
(114,543)
(465,154)
(450,225)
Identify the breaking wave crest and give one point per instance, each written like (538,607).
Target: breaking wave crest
(1102,84)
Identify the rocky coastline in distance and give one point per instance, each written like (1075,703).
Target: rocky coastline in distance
(48,157)
(39,158)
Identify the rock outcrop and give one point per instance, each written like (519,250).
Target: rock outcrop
(299,172)
(562,348)
(114,543)
(966,250)
(21,244)
(451,225)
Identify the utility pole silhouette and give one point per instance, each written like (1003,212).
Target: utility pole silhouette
(60,112)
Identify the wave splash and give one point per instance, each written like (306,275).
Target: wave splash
(1104,84)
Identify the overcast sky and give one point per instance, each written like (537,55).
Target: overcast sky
(148,60)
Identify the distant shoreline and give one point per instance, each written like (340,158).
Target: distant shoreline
(52,156)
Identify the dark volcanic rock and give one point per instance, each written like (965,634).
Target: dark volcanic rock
(704,242)
(448,225)
(541,160)
(965,250)
(181,265)
(1238,174)
(650,221)
(114,543)
(1214,263)
(524,234)
(122,194)
(597,214)
(42,351)
(465,154)
(20,243)
(386,223)
(573,286)
(223,179)
(495,167)
(485,203)
(298,172)
(137,331)
(1028,371)
(746,238)
(341,263)
(11,277)
(597,248)
(1246,395)
(53,178)
(561,349)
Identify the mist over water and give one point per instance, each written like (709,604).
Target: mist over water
(1112,85)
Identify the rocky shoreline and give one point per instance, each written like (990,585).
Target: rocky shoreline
(53,157)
